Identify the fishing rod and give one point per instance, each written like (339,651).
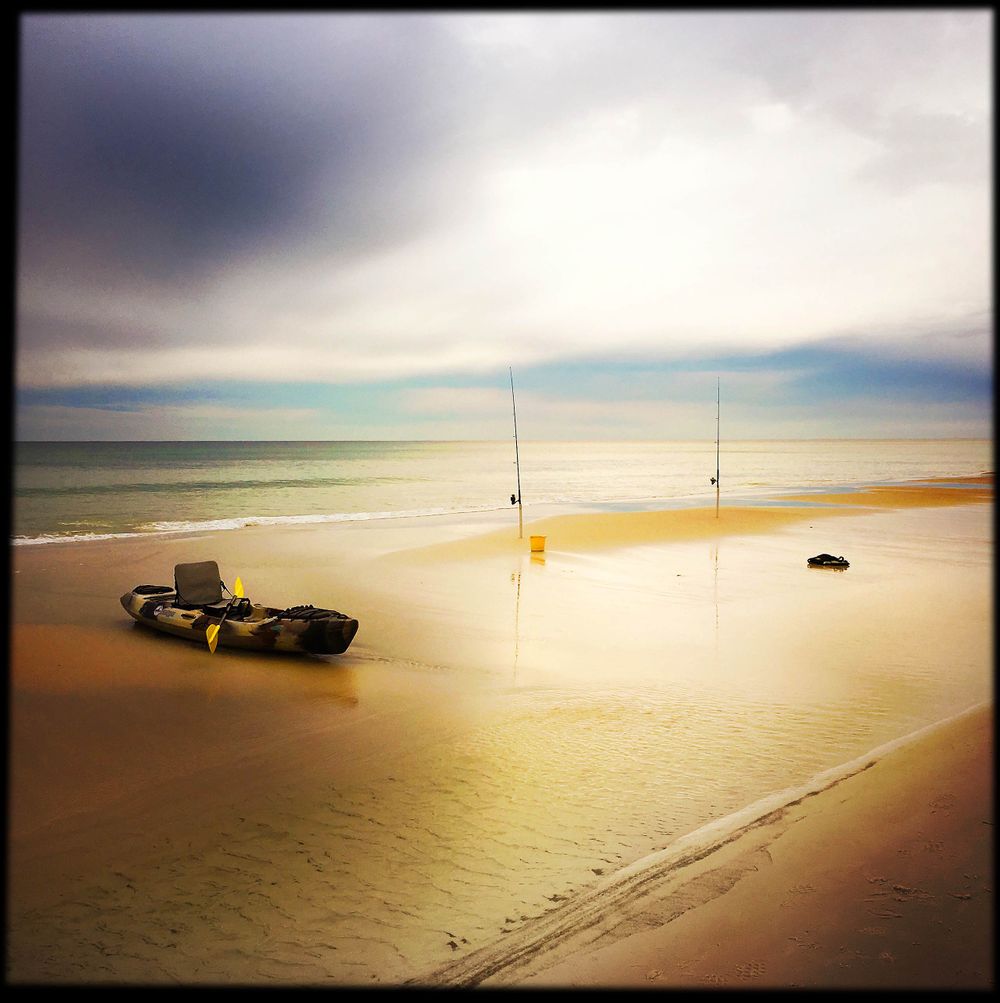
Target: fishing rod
(715,479)
(517,461)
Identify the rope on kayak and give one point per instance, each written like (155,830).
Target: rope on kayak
(307,612)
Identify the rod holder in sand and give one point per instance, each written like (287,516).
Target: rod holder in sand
(538,544)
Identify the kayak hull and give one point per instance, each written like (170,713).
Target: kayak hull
(257,628)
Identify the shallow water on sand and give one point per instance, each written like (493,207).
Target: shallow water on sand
(570,713)
(621,726)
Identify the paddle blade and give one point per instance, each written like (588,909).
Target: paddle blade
(212,636)
(238,589)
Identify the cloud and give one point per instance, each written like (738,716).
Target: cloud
(772,118)
(55,422)
(182,141)
(464,402)
(820,391)
(363,198)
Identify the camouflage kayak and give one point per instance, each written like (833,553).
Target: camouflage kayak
(244,624)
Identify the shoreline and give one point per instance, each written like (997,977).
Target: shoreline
(888,494)
(883,879)
(603,939)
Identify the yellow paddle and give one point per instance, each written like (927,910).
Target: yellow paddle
(212,634)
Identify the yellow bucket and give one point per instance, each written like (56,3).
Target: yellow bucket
(537,544)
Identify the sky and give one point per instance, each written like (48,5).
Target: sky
(366,225)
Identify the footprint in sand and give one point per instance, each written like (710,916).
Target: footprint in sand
(808,944)
(653,975)
(903,893)
(886,956)
(714,979)
(873,931)
(750,970)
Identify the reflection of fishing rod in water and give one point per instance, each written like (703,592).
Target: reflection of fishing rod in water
(516,576)
(715,577)
(516,500)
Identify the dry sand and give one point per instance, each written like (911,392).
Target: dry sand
(243,818)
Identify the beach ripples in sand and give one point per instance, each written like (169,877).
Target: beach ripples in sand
(462,843)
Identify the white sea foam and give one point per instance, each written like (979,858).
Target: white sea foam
(24,541)
(222,525)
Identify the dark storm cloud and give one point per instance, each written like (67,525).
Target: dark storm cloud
(157,146)
(158,153)
(40,328)
(162,147)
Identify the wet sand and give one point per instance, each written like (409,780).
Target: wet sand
(491,747)
(884,879)
(905,495)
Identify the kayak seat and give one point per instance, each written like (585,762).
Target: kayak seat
(198,584)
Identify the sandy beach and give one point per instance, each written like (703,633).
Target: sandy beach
(662,752)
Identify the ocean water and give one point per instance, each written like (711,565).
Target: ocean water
(93,490)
